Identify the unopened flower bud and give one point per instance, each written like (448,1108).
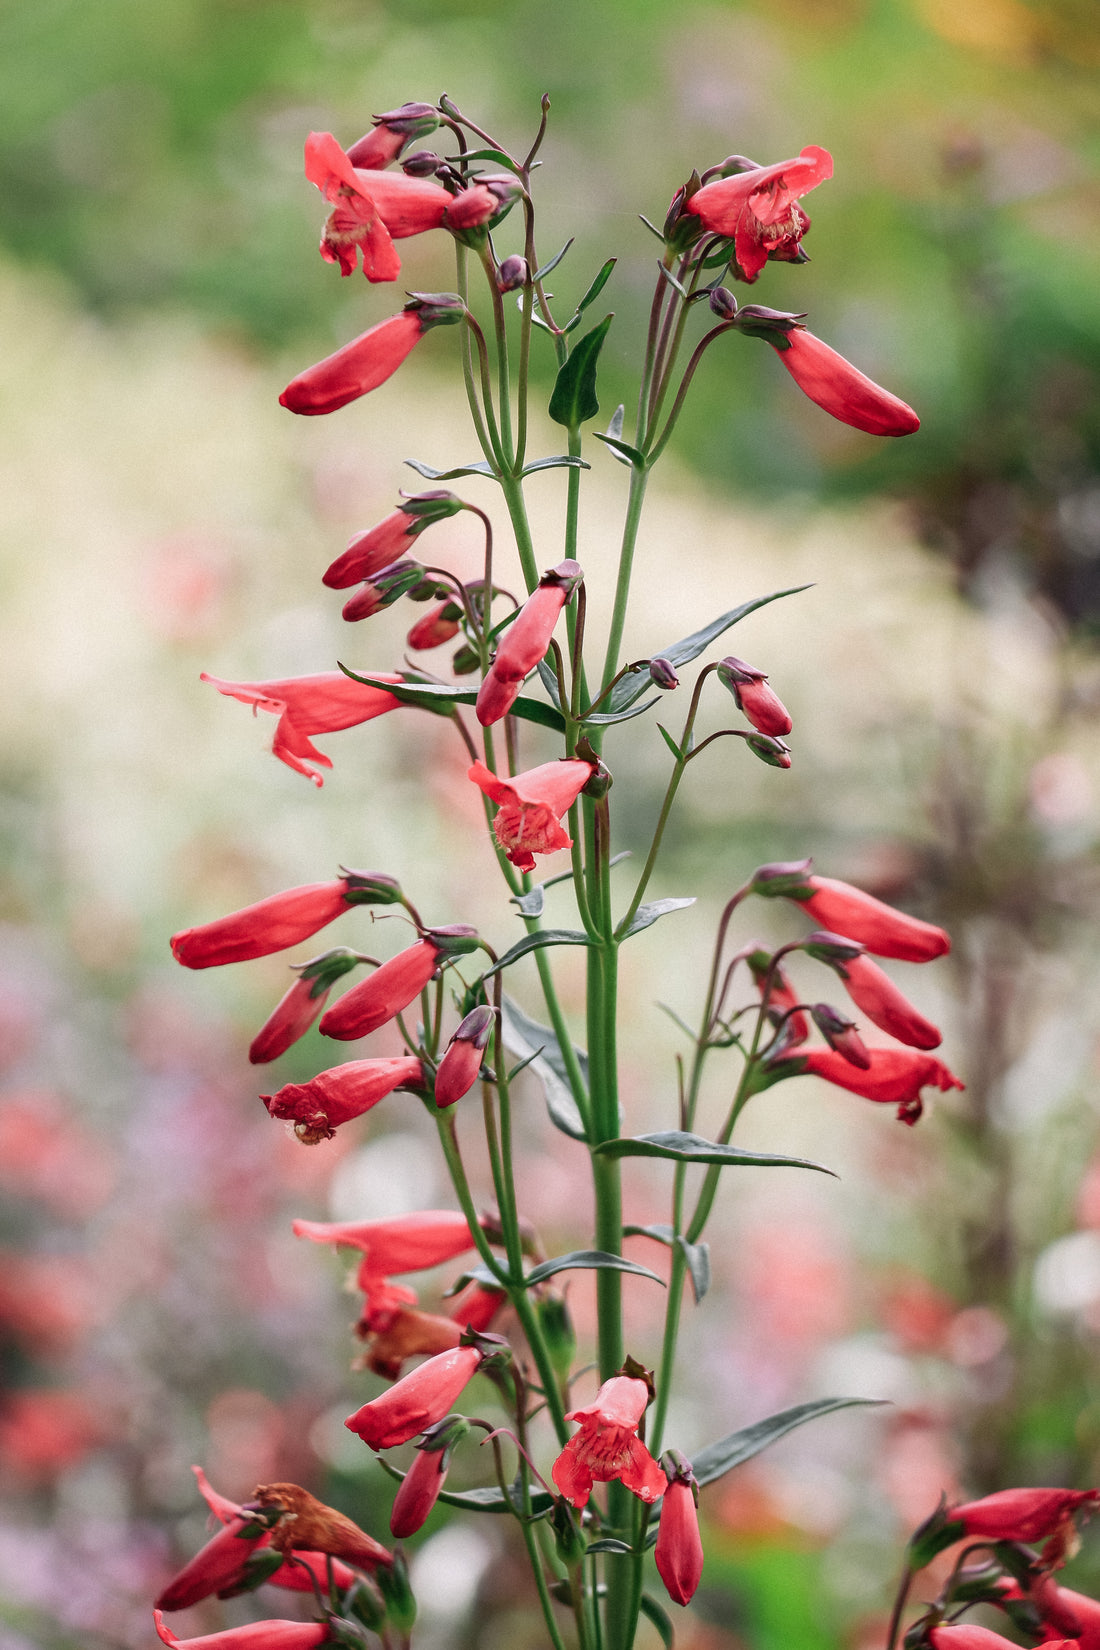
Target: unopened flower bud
(830,948)
(423,164)
(465,661)
(723,303)
(459,1067)
(393,1584)
(772,751)
(429,507)
(557,1331)
(841,1034)
(512,274)
(764,709)
(663,675)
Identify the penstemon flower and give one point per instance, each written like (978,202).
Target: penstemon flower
(607,1445)
(530,807)
(310,704)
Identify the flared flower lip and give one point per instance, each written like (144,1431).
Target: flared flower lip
(776,186)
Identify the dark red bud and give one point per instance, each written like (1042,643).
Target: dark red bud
(663,675)
(512,274)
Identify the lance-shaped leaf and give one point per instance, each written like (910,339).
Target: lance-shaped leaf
(535,942)
(697,1255)
(589,1260)
(540,274)
(443,699)
(522,1036)
(563,462)
(681,1147)
(646,915)
(574,400)
(710,1463)
(598,284)
(606,718)
(477,467)
(659,1616)
(682,652)
(623,451)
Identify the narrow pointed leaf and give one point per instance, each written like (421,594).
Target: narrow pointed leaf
(670,742)
(549,680)
(531,903)
(667,275)
(490,1500)
(710,1463)
(690,647)
(697,1256)
(659,1231)
(615,422)
(574,400)
(525,1036)
(601,280)
(589,1260)
(563,462)
(659,1616)
(478,468)
(443,699)
(646,915)
(540,274)
(681,1147)
(497,156)
(608,718)
(535,942)
(609,1544)
(622,450)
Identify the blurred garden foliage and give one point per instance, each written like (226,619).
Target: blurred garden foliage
(153,155)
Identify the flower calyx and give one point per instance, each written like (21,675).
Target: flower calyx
(636,1371)
(840,1033)
(323,971)
(783,879)
(371,888)
(457,940)
(429,507)
(773,325)
(443,1437)
(681,228)
(495,1351)
(436,309)
(831,948)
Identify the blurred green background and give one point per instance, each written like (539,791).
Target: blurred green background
(159,515)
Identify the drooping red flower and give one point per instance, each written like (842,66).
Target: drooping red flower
(395,1336)
(841,389)
(305,705)
(531,805)
(760,703)
(525,642)
(369,552)
(423,1397)
(607,1445)
(290,1019)
(875,993)
(390,133)
(317,1108)
(1022,1515)
(256,1635)
(372,208)
(418,1492)
(895,1076)
(402,1243)
(476,1306)
(679,1550)
(258,930)
(849,911)
(967,1635)
(758,209)
(355,368)
(1066,1614)
(385,993)
(216,1567)
(461,1063)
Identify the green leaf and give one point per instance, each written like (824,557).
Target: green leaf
(615,422)
(608,718)
(663,1233)
(525,1036)
(670,742)
(540,274)
(658,232)
(666,274)
(585,1260)
(548,678)
(479,468)
(646,915)
(564,462)
(622,450)
(534,942)
(710,1463)
(681,653)
(490,1500)
(692,1148)
(659,1616)
(697,1256)
(497,156)
(609,1544)
(531,903)
(574,400)
(601,280)
(430,696)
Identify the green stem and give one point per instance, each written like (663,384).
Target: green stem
(531,1543)
(635,500)
(512,489)
(504,389)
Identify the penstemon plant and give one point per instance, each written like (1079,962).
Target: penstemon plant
(597,1488)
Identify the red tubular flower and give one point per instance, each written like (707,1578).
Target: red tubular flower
(257,1635)
(390,133)
(216,1567)
(758,209)
(607,1445)
(525,642)
(763,707)
(402,1334)
(841,389)
(387,991)
(1066,1614)
(419,1492)
(418,1401)
(404,1243)
(966,1636)
(310,704)
(356,368)
(876,994)
(888,933)
(531,807)
(1021,1515)
(270,925)
(292,1017)
(781,997)
(461,1063)
(895,1076)
(369,552)
(317,1108)
(476,1306)
(679,1551)
(437,626)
